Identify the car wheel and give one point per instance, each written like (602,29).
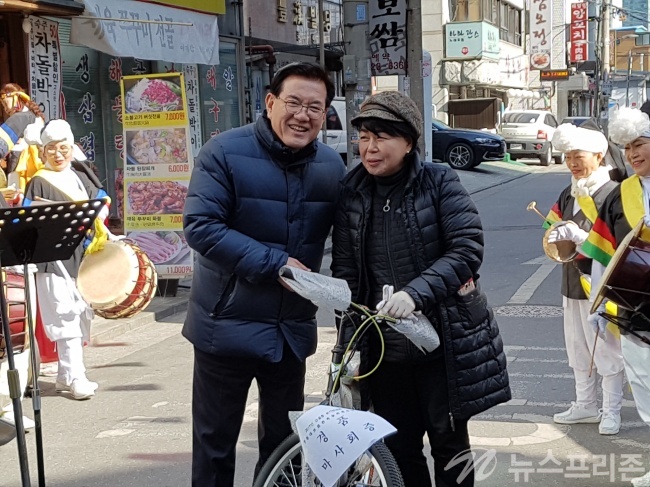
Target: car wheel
(545,159)
(513,158)
(559,159)
(460,156)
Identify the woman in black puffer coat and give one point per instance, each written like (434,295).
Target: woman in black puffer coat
(412,225)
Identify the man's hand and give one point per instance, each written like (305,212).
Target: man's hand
(291,262)
(400,305)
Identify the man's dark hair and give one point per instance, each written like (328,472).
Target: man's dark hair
(303,70)
(394,129)
(645,108)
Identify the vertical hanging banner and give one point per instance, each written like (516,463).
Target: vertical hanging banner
(191,73)
(541,33)
(44,57)
(157,166)
(387,34)
(578,32)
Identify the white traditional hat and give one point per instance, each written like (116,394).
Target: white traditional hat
(57,131)
(627,124)
(567,137)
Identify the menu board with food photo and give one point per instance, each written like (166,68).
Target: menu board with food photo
(157,166)
(153,100)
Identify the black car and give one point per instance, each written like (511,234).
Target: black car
(465,148)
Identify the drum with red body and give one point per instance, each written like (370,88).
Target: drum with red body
(627,277)
(117,281)
(14,289)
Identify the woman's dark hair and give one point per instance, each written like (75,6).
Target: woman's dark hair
(303,70)
(394,129)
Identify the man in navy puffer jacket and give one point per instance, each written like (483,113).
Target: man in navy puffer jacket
(261,196)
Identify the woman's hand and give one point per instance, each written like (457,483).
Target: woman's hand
(400,305)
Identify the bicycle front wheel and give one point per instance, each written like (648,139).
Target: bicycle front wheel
(375,468)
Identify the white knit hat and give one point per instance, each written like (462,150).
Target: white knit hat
(567,137)
(57,131)
(628,124)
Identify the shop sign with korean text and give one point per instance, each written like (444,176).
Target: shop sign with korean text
(541,33)
(44,57)
(471,40)
(161,38)
(553,74)
(157,167)
(387,33)
(578,32)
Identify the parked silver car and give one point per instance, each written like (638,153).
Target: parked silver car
(528,134)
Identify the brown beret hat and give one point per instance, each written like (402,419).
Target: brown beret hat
(393,106)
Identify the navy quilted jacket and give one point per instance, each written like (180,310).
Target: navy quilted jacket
(251,204)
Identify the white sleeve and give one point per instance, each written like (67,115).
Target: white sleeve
(597,271)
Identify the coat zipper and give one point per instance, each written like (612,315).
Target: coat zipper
(386,243)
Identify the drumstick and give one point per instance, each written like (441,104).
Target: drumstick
(593,354)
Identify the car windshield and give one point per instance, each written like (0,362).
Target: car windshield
(437,124)
(520,117)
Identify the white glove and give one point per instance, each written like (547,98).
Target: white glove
(115,238)
(400,305)
(598,323)
(646,220)
(570,231)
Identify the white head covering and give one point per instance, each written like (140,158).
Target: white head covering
(57,131)
(32,133)
(627,124)
(567,137)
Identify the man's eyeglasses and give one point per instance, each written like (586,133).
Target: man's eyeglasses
(64,151)
(293,107)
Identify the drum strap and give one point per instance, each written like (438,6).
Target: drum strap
(633,197)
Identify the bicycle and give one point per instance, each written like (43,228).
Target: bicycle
(377,466)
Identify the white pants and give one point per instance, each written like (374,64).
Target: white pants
(579,337)
(63,324)
(637,367)
(21,361)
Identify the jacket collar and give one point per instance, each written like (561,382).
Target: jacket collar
(360,180)
(277,149)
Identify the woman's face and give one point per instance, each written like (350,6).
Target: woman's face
(637,154)
(582,163)
(58,155)
(383,154)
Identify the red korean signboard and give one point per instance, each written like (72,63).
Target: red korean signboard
(579,48)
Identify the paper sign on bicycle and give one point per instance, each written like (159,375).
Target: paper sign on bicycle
(333,438)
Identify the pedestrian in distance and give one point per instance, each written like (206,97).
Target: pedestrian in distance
(411,225)
(578,205)
(260,197)
(622,210)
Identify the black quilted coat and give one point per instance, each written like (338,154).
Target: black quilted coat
(446,240)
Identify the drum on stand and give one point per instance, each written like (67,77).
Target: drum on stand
(625,280)
(118,281)
(14,289)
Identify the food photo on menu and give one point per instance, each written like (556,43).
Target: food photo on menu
(156,146)
(163,248)
(153,95)
(156,197)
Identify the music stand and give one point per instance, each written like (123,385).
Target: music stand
(33,235)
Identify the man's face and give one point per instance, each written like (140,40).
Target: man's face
(297,130)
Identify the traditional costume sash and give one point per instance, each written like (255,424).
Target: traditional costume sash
(588,207)
(69,183)
(633,205)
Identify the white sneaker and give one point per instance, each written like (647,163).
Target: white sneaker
(49,369)
(610,423)
(79,389)
(9,418)
(63,387)
(642,481)
(576,414)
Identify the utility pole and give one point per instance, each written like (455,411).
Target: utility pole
(356,69)
(321,49)
(604,38)
(414,60)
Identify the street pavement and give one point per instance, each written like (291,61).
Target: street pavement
(137,430)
